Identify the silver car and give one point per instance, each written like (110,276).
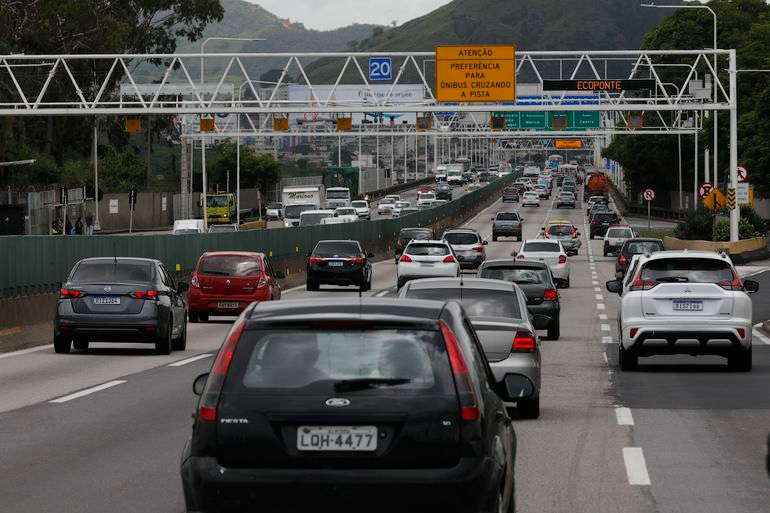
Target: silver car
(506,330)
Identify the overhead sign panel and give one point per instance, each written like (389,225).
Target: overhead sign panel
(574,144)
(484,73)
(618,86)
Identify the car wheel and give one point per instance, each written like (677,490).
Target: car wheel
(740,360)
(203,317)
(566,283)
(554,331)
(311,286)
(628,360)
(604,251)
(192,316)
(528,408)
(80,345)
(494,238)
(163,345)
(400,283)
(62,344)
(180,344)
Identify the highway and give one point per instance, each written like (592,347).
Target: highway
(103,430)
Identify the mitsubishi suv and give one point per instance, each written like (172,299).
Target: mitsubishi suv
(680,302)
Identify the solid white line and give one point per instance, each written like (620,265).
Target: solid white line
(636,467)
(760,336)
(624,416)
(381,293)
(600,306)
(599,297)
(605,327)
(607,340)
(87,391)
(603,317)
(293,289)
(189,360)
(26,351)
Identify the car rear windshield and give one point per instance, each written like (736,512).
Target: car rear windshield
(619,233)
(223,228)
(461,238)
(359,204)
(560,230)
(325,361)
(507,216)
(229,265)
(687,270)
(274,205)
(387,201)
(312,219)
(113,271)
(598,199)
(517,275)
(347,211)
(428,250)
(416,234)
(477,302)
(336,249)
(337,194)
(604,216)
(293,211)
(537,247)
(566,196)
(642,247)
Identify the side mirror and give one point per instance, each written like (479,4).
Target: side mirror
(280,275)
(751,286)
(309,253)
(485,243)
(514,253)
(577,233)
(514,387)
(199,383)
(541,322)
(370,255)
(182,287)
(614,286)
(492,218)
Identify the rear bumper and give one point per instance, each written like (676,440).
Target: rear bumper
(507,232)
(209,303)
(145,326)
(351,277)
(472,261)
(711,337)
(467,487)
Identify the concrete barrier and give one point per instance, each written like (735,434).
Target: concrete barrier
(742,251)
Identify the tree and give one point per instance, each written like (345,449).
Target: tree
(257,171)
(121,171)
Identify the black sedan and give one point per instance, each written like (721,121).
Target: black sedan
(443,191)
(535,280)
(120,300)
(350,405)
(339,262)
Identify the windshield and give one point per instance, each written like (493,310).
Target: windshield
(332,249)
(403,204)
(477,302)
(274,206)
(560,230)
(345,212)
(689,270)
(229,265)
(222,228)
(359,204)
(538,247)
(337,194)
(461,238)
(111,271)
(186,231)
(428,250)
(293,211)
(618,233)
(507,216)
(307,219)
(416,233)
(516,275)
(427,196)
(387,201)
(217,201)
(641,247)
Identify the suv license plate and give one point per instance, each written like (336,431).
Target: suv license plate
(688,306)
(106,300)
(335,264)
(337,438)
(228,305)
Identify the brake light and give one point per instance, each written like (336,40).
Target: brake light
(70,294)
(316,260)
(734,284)
(405,258)
(150,295)
(633,331)
(638,284)
(594,221)
(524,342)
(519,257)
(449,260)
(356,260)
(469,411)
(550,295)
(547,233)
(562,259)
(741,332)
(207,408)
(194,281)
(622,260)
(478,249)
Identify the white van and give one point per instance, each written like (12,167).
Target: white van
(187,226)
(441,173)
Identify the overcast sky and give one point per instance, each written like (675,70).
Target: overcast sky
(330,14)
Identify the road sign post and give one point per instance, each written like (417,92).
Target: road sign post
(704,189)
(131,206)
(648,195)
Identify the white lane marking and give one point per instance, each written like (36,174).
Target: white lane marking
(189,360)
(594,282)
(287,291)
(607,340)
(636,467)
(760,336)
(624,416)
(602,317)
(597,289)
(25,351)
(605,327)
(599,297)
(600,306)
(87,391)
(382,293)
(604,357)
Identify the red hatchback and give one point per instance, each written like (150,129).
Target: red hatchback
(226,282)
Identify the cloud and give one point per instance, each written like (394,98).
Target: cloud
(330,14)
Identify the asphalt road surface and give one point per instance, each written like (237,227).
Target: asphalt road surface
(680,435)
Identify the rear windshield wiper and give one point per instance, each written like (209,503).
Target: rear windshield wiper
(673,279)
(350,385)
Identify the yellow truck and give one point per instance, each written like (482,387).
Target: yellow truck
(220,208)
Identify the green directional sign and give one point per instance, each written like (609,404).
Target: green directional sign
(542,120)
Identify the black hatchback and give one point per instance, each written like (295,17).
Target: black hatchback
(350,405)
(443,191)
(339,262)
(120,300)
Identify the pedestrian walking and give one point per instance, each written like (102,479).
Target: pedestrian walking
(89,223)
(79,226)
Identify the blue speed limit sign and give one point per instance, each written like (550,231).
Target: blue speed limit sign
(380,68)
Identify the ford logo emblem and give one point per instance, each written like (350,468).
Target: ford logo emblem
(337,402)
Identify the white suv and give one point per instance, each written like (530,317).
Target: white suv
(615,237)
(684,302)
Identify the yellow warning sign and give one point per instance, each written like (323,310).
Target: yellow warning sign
(731,199)
(484,73)
(715,199)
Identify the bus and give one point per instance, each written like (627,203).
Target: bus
(555,161)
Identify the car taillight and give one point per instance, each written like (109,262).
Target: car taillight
(622,260)
(469,410)
(207,408)
(316,260)
(405,258)
(194,281)
(356,260)
(734,284)
(632,332)
(478,249)
(550,295)
(547,234)
(519,257)
(594,221)
(151,295)
(449,260)
(562,259)
(70,294)
(262,283)
(638,284)
(523,343)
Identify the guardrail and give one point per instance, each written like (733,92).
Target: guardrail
(38,264)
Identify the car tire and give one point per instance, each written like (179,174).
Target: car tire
(627,360)
(566,283)
(62,344)
(400,283)
(554,331)
(528,408)
(494,238)
(740,361)
(604,251)
(80,345)
(163,345)
(311,286)
(192,316)
(180,344)
(203,317)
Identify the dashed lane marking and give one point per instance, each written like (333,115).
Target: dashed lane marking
(597,289)
(606,340)
(600,306)
(599,297)
(189,360)
(605,327)
(382,293)
(594,282)
(624,416)
(88,391)
(636,467)
(602,317)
